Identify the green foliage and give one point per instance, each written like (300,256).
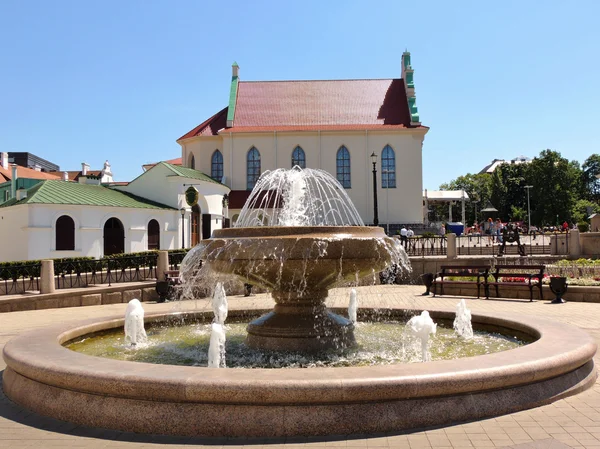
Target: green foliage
(580,210)
(478,188)
(590,173)
(517,213)
(583,226)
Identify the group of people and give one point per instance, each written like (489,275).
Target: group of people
(405,234)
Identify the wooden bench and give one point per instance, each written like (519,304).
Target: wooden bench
(465,271)
(528,275)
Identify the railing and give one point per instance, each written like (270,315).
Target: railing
(175,258)
(17,279)
(133,268)
(420,246)
(489,245)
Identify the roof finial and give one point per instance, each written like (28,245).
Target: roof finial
(235,69)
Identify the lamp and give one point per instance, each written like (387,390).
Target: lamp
(182,211)
(375,215)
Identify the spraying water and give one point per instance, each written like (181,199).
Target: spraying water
(462,321)
(352,306)
(216,347)
(422,326)
(134,323)
(219,304)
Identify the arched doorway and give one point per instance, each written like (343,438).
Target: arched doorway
(153,235)
(114,237)
(196,226)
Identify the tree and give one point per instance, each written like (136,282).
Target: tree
(556,183)
(591,171)
(477,187)
(583,209)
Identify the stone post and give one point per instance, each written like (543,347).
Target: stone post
(162,265)
(574,244)
(47,277)
(451,246)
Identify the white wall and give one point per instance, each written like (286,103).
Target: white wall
(403,204)
(32,232)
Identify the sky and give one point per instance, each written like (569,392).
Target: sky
(89,81)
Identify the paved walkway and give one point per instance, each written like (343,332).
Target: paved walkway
(569,423)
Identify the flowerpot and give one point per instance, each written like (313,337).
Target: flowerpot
(558,286)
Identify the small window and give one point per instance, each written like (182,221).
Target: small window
(343,167)
(216,167)
(193,162)
(388,168)
(252,168)
(6,195)
(298,157)
(65,234)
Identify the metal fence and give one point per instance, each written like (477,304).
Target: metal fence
(133,268)
(426,246)
(18,279)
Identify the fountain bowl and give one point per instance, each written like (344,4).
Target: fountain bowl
(298,265)
(47,378)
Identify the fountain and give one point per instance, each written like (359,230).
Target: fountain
(352,307)
(462,323)
(315,242)
(422,326)
(134,323)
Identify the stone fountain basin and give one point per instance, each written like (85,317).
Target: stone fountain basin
(317,256)
(45,377)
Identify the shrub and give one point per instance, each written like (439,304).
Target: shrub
(583,226)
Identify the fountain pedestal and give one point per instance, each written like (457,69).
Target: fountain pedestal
(300,323)
(299,264)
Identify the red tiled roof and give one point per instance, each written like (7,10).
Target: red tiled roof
(176,161)
(25,172)
(209,127)
(74,175)
(317,104)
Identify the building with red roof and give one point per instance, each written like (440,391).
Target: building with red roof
(334,125)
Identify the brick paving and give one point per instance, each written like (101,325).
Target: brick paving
(569,423)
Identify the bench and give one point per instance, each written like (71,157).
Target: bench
(465,271)
(172,277)
(528,275)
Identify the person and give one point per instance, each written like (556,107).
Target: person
(404,235)
(489,229)
(409,233)
(443,230)
(498,229)
(565,226)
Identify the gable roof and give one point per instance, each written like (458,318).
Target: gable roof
(188,173)
(176,161)
(321,103)
(209,127)
(75,175)
(73,193)
(26,172)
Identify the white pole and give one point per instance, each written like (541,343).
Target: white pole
(528,210)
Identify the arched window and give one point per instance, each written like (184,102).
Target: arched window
(114,237)
(388,168)
(153,235)
(252,168)
(343,167)
(65,233)
(298,157)
(193,162)
(216,167)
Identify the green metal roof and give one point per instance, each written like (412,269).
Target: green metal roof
(189,173)
(64,192)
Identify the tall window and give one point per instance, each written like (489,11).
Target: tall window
(388,168)
(216,167)
(153,235)
(65,234)
(298,157)
(193,162)
(252,168)
(343,167)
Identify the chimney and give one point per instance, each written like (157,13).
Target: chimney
(37,167)
(235,69)
(21,194)
(13,181)
(4,160)
(84,168)
(65,176)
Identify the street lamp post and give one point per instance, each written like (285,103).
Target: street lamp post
(375,214)
(182,210)
(528,210)
(475,204)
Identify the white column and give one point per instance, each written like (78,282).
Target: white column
(47,277)
(451,246)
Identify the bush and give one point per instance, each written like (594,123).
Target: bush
(583,226)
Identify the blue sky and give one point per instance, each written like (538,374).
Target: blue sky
(85,81)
